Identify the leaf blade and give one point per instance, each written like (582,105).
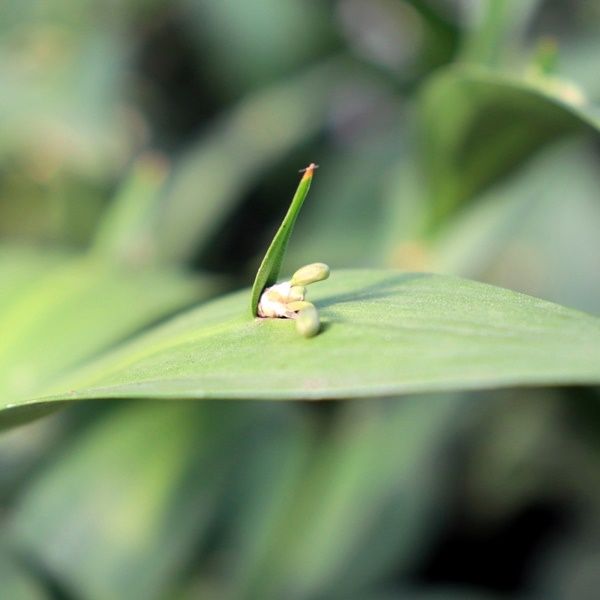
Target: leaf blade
(271,264)
(385,333)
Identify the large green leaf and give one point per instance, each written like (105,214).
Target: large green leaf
(385,333)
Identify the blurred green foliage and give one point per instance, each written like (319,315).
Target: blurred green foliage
(146,148)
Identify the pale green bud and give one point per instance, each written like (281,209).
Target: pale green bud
(310,274)
(308,323)
(299,305)
(297,292)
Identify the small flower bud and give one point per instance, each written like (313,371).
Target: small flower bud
(310,274)
(297,292)
(308,323)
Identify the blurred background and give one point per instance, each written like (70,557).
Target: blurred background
(148,150)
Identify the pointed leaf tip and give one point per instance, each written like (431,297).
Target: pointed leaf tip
(271,264)
(308,171)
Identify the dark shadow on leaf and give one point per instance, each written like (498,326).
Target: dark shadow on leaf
(325,326)
(14,416)
(381,289)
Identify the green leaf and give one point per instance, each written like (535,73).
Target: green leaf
(495,29)
(337,225)
(480,124)
(271,264)
(125,233)
(152,509)
(251,139)
(535,232)
(371,482)
(59,310)
(18,582)
(385,333)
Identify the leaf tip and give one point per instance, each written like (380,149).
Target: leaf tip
(308,171)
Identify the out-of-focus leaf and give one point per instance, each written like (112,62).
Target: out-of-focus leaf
(495,28)
(119,513)
(578,62)
(535,232)
(442,33)
(64,102)
(126,234)
(428,592)
(64,129)
(479,125)
(369,483)
(349,209)
(384,333)
(17,583)
(59,310)
(209,180)
(245,57)
(270,475)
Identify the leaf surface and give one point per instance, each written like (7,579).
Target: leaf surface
(481,124)
(385,333)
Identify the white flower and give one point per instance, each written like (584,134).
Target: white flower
(275,300)
(287,299)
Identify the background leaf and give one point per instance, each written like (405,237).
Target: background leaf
(367,484)
(481,124)
(453,136)
(59,310)
(133,525)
